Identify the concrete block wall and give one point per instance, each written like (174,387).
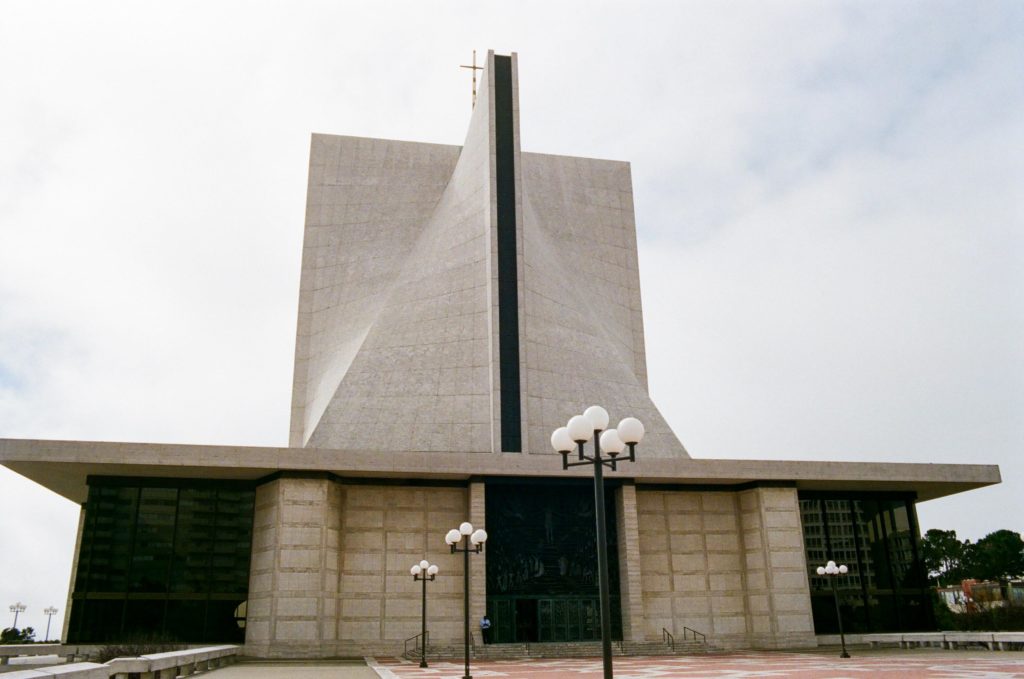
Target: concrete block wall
(477,562)
(777,589)
(387,529)
(706,560)
(330,567)
(630,582)
(293,579)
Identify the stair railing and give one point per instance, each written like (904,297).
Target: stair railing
(695,633)
(417,641)
(668,639)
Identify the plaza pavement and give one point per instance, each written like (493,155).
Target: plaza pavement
(902,664)
(298,669)
(822,664)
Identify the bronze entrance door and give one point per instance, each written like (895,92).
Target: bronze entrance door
(542,562)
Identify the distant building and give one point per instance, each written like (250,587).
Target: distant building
(954,597)
(972,595)
(1015,592)
(457,304)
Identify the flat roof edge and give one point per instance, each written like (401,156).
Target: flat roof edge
(64,467)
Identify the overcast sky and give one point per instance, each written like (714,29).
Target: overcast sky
(828,202)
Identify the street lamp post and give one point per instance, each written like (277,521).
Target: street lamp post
(16,608)
(50,611)
(422,572)
(593,423)
(832,571)
(476,538)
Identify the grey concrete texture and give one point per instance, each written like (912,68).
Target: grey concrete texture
(63,467)
(397,341)
(583,322)
(324,669)
(730,565)
(393,346)
(330,566)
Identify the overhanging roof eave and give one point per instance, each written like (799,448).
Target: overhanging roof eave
(64,467)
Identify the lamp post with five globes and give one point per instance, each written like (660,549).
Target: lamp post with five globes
(424,571)
(593,423)
(833,571)
(476,538)
(16,608)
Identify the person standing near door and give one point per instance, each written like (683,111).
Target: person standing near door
(485,629)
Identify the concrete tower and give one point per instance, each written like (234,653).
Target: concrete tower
(467,299)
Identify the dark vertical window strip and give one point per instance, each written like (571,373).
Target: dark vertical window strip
(882,519)
(829,552)
(895,559)
(823,508)
(131,557)
(174,550)
(84,580)
(204,624)
(856,511)
(921,575)
(508,277)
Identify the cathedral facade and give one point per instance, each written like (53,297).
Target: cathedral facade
(457,304)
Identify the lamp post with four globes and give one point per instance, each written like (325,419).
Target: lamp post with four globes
(424,571)
(476,538)
(833,571)
(580,429)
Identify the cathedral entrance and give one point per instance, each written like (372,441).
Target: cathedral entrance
(542,562)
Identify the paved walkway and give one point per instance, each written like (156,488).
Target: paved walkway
(817,665)
(294,670)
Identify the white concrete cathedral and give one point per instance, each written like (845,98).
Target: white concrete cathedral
(457,304)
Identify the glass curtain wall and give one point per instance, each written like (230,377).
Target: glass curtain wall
(876,536)
(163,560)
(542,562)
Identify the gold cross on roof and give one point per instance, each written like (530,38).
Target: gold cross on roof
(474,68)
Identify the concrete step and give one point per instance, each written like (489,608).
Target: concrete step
(576,649)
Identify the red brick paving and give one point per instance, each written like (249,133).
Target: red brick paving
(732,665)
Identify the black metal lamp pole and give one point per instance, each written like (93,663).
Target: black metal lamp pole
(50,612)
(16,609)
(477,539)
(423,571)
(832,571)
(580,429)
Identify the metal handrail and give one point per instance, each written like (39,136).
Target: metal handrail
(416,647)
(695,633)
(667,638)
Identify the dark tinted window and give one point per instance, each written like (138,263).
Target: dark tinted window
(163,560)
(876,538)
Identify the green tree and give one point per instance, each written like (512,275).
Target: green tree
(13,635)
(997,556)
(943,555)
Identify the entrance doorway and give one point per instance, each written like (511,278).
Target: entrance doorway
(542,563)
